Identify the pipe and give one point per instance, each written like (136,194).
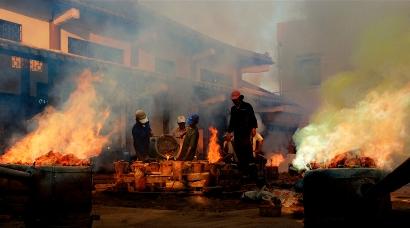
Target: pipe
(8,172)
(393,181)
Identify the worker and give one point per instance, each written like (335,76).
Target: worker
(257,141)
(241,123)
(179,132)
(141,133)
(228,149)
(190,143)
(259,158)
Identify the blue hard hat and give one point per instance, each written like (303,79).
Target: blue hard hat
(193,118)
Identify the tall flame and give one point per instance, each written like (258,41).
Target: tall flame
(214,154)
(73,130)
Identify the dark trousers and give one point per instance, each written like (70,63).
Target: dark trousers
(243,150)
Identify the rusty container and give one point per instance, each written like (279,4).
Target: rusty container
(197,167)
(177,170)
(154,167)
(166,168)
(121,167)
(187,167)
(137,165)
(206,166)
(271,172)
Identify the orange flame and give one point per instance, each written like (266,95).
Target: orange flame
(73,131)
(276,159)
(214,154)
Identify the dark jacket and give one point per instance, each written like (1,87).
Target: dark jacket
(141,134)
(242,119)
(190,144)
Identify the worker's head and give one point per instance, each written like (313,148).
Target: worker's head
(228,137)
(193,120)
(181,121)
(141,117)
(236,97)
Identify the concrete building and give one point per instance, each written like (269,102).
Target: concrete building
(306,58)
(44,42)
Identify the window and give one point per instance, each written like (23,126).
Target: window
(165,66)
(216,78)
(19,62)
(10,30)
(308,70)
(93,50)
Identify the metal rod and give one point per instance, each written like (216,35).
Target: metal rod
(393,181)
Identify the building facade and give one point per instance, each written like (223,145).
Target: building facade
(156,62)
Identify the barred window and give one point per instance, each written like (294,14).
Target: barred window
(19,62)
(16,62)
(93,50)
(36,66)
(10,30)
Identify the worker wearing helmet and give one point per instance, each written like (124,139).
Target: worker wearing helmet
(190,143)
(141,133)
(179,132)
(241,123)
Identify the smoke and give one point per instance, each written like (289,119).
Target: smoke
(249,25)
(366,106)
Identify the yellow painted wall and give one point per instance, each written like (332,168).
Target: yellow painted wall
(34,32)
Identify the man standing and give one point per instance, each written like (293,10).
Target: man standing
(257,142)
(141,133)
(228,149)
(188,150)
(241,123)
(179,132)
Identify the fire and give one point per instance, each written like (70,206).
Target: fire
(55,158)
(276,160)
(375,129)
(214,154)
(72,133)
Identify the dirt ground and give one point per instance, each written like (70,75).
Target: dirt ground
(156,210)
(173,210)
(143,217)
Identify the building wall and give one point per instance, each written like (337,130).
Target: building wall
(300,41)
(35,32)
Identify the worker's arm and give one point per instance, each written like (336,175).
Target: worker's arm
(226,147)
(258,149)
